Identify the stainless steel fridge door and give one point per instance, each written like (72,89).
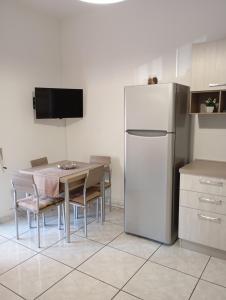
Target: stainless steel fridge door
(150,107)
(149,159)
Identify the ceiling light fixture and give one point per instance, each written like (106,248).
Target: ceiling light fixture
(102,1)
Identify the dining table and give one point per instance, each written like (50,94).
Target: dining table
(52,181)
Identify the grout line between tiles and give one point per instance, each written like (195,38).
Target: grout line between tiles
(128,293)
(72,233)
(18,264)
(156,263)
(115,287)
(199,278)
(213,283)
(12,292)
(76,269)
(121,289)
(53,284)
(72,269)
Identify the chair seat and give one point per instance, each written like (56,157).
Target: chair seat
(30,202)
(91,194)
(107,184)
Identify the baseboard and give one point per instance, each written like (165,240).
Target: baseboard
(117,203)
(203,249)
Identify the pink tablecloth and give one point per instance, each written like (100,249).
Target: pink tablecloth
(48,179)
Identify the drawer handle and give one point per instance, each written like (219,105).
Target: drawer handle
(211,182)
(216,84)
(212,219)
(209,200)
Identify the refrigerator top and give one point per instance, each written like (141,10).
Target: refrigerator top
(150,107)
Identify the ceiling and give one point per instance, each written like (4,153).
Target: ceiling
(64,8)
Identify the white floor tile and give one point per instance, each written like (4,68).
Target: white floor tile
(74,253)
(135,245)
(79,286)
(181,259)
(216,271)
(3,239)
(112,266)
(157,282)
(6,294)
(49,236)
(208,291)
(8,228)
(116,215)
(102,233)
(34,276)
(12,254)
(124,296)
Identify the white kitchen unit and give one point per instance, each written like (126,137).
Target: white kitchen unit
(202,210)
(208,66)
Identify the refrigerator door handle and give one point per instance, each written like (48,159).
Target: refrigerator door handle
(147,133)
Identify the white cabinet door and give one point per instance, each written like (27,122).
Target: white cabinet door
(209,65)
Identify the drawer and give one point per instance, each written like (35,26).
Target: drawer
(202,184)
(202,227)
(202,201)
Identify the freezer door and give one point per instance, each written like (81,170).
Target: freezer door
(150,107)
(148,184)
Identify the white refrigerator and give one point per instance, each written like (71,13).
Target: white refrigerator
(156,146)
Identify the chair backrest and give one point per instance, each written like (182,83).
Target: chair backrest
(105,160)
(23,183)
(75,181)
(39,162)
(95,176)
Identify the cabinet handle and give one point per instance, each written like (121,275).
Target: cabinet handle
(211,219)
(209,200)
(216,84)
(211,182)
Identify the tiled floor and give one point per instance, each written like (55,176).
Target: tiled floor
(109,264)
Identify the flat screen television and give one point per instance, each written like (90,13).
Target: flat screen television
(54,103)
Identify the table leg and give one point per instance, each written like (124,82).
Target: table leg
(67,212)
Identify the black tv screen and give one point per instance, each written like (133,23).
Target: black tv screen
(52,103)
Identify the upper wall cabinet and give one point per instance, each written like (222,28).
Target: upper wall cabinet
(209,66)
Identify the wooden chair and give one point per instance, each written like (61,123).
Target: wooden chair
(87,191)
(39,162)
(106,161)
(22,183)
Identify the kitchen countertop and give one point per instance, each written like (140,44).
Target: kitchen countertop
(209,168)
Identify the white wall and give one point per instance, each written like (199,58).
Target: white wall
(101,52)
(29,57)
(122,45)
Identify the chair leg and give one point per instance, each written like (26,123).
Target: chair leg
(101,209)
(29,219)
(38,229)
(16,223)
(74,214)
(63,217)
(103,205)
(97,209)
(110,204)
(85,221)
(43,220)
(59,216)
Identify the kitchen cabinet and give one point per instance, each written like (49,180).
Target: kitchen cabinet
(202,208)
(209,66)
